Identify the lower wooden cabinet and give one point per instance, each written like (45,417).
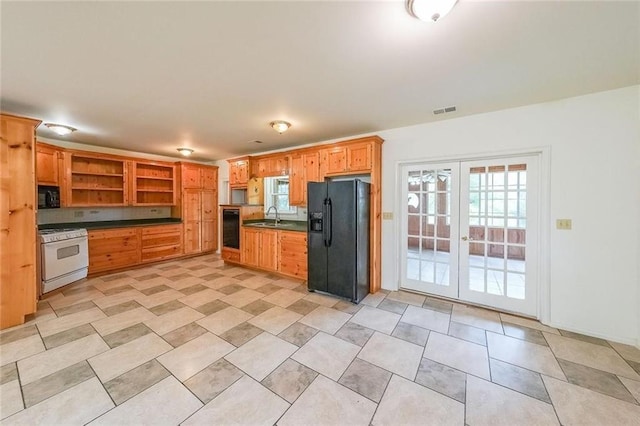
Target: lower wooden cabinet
(113,249)
(119,248)
(274,250)
(292,252)
(161,242)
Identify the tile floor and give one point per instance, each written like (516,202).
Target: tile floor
(199,342)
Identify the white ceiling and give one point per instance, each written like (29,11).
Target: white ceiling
(153,76)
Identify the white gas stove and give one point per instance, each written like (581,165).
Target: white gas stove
(64,257)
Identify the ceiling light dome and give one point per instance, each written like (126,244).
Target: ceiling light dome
(60,129)
(280,126)
(426,10)
(185,151)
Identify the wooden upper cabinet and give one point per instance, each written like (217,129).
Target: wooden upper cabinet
(305,167)
(191,176)
(153,183)
(210,178)
(96,180)
(47,164)
(335,160)
(272,165)
(347,159)
(359,157)
(239,172)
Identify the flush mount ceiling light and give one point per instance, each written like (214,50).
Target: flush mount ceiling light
(426,10)
(280,126)
(185,151)
(60,129)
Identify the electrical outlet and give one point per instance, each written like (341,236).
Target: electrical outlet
(564,224)
(78,213)
(387,216)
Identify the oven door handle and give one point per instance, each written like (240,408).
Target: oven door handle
(70,241)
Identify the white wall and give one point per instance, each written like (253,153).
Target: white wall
(594,144)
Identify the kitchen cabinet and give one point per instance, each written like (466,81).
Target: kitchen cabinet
(48,159)
(239,169)
(18,292)
(199,199)
(292,254)
(153,183)
(273,165)
(160,242)
(95,180)
(113,249)
(305,167)
(259,248)
(349,158)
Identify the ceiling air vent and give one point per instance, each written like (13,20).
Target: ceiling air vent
(444,110)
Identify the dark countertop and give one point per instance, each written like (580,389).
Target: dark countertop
(290,225)
(112,223)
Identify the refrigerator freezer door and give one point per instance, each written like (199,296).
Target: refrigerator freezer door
(316,249)
(362,243)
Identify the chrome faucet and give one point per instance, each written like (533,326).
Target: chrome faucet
(277,216)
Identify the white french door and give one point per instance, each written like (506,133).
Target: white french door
(470,231)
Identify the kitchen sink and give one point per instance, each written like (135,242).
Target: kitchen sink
(272,225)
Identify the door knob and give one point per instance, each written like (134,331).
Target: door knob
(465,238)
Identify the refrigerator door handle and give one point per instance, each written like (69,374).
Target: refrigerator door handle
(328,221)
(324,220)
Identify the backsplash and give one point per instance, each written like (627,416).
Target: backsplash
(69,215)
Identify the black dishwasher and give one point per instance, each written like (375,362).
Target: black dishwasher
(231,228)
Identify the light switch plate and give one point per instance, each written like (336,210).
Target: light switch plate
(564,224)
(387,216)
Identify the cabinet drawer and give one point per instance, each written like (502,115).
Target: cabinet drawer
(113,260)
(232,256)
(159,240)
(161,229)
(158,253)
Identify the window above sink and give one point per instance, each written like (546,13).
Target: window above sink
(276,194)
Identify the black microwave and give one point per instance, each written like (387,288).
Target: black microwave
(48,197)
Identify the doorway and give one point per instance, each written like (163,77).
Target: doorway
(470,231)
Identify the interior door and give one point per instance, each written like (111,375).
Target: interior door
(469,231)
(499,238)
(430,255)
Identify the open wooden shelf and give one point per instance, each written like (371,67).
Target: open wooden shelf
(153,183)
(97,180)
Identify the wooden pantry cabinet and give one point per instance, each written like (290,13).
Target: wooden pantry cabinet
(48,164)
(18,292)
(199,202)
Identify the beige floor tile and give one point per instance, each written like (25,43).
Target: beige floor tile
(185,282)
(261,355)
(20,349)
(166,403)
(531,323)
(376,319)
(114,362)
(201,297)
(255,282)
(70,321)
(426,318)
(246,402)
(11,400)
(45,363)
(394,355)
(327,355)
(327,403)
(195,355)
(284,297)
(407,403)
(626,351)
(406,297)
(576,405)
(116,299)
(322,299)
(286,283)
(275,320)
(76,298)
(596,356)
(325,319)
(224,320)
(242,297)
(524,354)
(477,317)
(633,386)
(459,354)
(173,320)
(373,299)
(159,298)
(121,321)
(490,404)
(75,406)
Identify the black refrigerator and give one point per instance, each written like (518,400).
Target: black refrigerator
(338,239)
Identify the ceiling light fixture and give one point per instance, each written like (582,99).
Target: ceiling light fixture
(185,151)
(280,126)
(426,10)
(60,129)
